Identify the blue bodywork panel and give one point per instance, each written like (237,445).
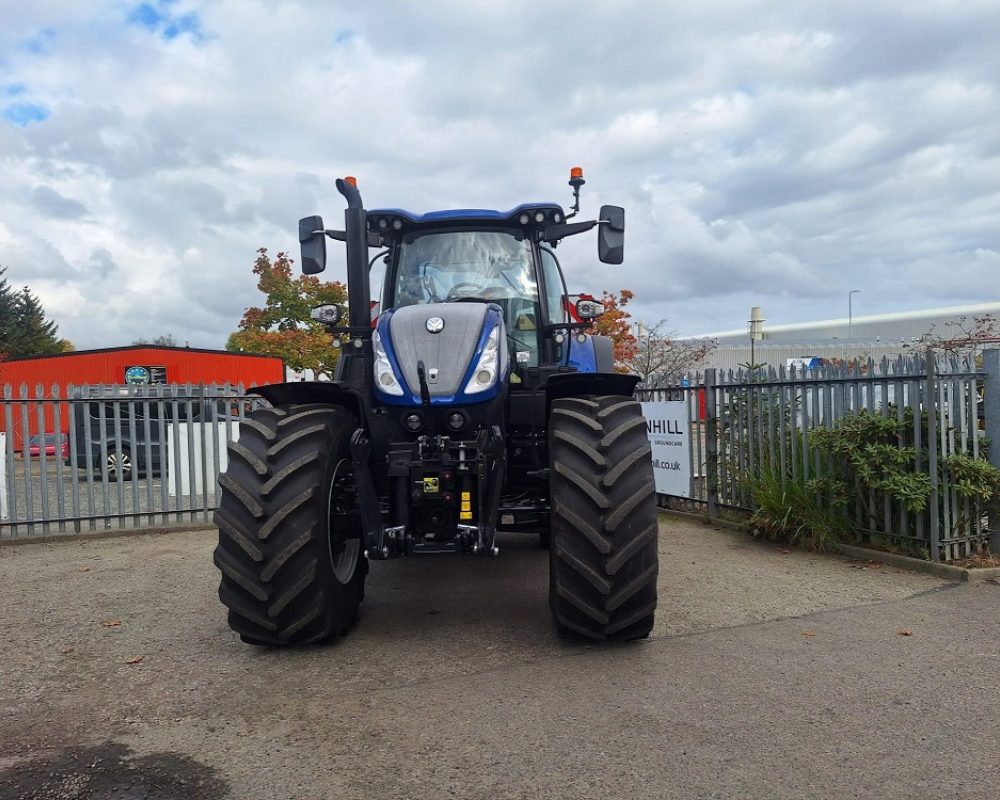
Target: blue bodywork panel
(494,318)
(581,355)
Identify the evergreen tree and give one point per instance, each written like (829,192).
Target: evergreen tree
(8,315)
(24,330)
(38,335)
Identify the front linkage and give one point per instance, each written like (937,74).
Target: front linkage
(432,482)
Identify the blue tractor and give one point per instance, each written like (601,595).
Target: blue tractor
(476,400)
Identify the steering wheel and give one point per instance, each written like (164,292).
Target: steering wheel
(461,290)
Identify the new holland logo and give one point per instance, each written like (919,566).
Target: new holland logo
(435,325)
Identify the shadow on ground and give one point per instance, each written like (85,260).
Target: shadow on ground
(110,770)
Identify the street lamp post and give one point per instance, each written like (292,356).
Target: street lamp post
(850,310)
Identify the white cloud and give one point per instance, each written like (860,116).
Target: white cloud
(773,156)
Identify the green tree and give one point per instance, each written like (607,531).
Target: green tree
(166,340)
(8,315)
(24,330)
(282,327)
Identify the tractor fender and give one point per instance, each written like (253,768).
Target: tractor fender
(579,384)
(604,353)
(300,392)
(594,353)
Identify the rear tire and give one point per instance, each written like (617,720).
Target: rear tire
(603,559)
(290,548)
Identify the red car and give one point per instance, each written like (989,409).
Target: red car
(51,441)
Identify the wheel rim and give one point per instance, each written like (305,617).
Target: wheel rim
(342,502)
(119,460)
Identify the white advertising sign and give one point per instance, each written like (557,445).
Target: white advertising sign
(189,437)
(669,437)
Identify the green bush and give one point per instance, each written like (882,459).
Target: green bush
(874,449)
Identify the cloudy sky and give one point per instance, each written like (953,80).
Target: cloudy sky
(767,154)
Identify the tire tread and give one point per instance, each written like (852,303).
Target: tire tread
(277,577)
(604,559)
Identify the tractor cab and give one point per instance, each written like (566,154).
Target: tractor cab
(477,256)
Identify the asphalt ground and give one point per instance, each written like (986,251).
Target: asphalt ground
(770,674)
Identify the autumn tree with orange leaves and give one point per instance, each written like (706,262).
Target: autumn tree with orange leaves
(655,355)
(615,324)
(282,328)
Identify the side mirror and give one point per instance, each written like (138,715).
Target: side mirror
(611,235)
(589,309)
(312,244)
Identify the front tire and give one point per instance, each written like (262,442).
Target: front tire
(290,549)
(603,559)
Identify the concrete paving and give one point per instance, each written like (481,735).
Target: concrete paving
(769,675)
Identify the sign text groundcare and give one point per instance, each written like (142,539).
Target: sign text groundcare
(668,431)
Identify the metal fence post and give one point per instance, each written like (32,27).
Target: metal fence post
(711,444)
(930,400)
(991,413)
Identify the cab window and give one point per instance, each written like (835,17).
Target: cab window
(485,266)
(555,289)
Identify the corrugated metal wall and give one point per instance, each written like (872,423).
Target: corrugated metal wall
(181,365)
(733,356)
(897,328)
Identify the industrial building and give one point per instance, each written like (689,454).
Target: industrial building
(51,377)
(847,338)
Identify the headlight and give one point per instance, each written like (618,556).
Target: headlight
(485,374)
(385,378)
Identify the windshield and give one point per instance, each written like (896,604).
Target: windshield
(482,265)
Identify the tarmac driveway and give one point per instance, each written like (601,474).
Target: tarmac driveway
(769,675)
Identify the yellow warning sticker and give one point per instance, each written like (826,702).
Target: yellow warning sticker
(431,485)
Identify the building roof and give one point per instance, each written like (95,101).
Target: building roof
(898,316)
(133,347)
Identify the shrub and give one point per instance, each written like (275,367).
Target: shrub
(806,513)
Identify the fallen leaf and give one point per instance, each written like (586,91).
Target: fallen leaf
(905,632)
(874,565)
(111,623)
(134,660)
(84,569)
(808,633)
(784,551)
(68,650)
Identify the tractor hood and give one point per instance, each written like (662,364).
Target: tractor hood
(462,346)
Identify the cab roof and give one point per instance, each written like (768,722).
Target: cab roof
(467,214)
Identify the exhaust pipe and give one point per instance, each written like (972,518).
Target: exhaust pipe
(356,229)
